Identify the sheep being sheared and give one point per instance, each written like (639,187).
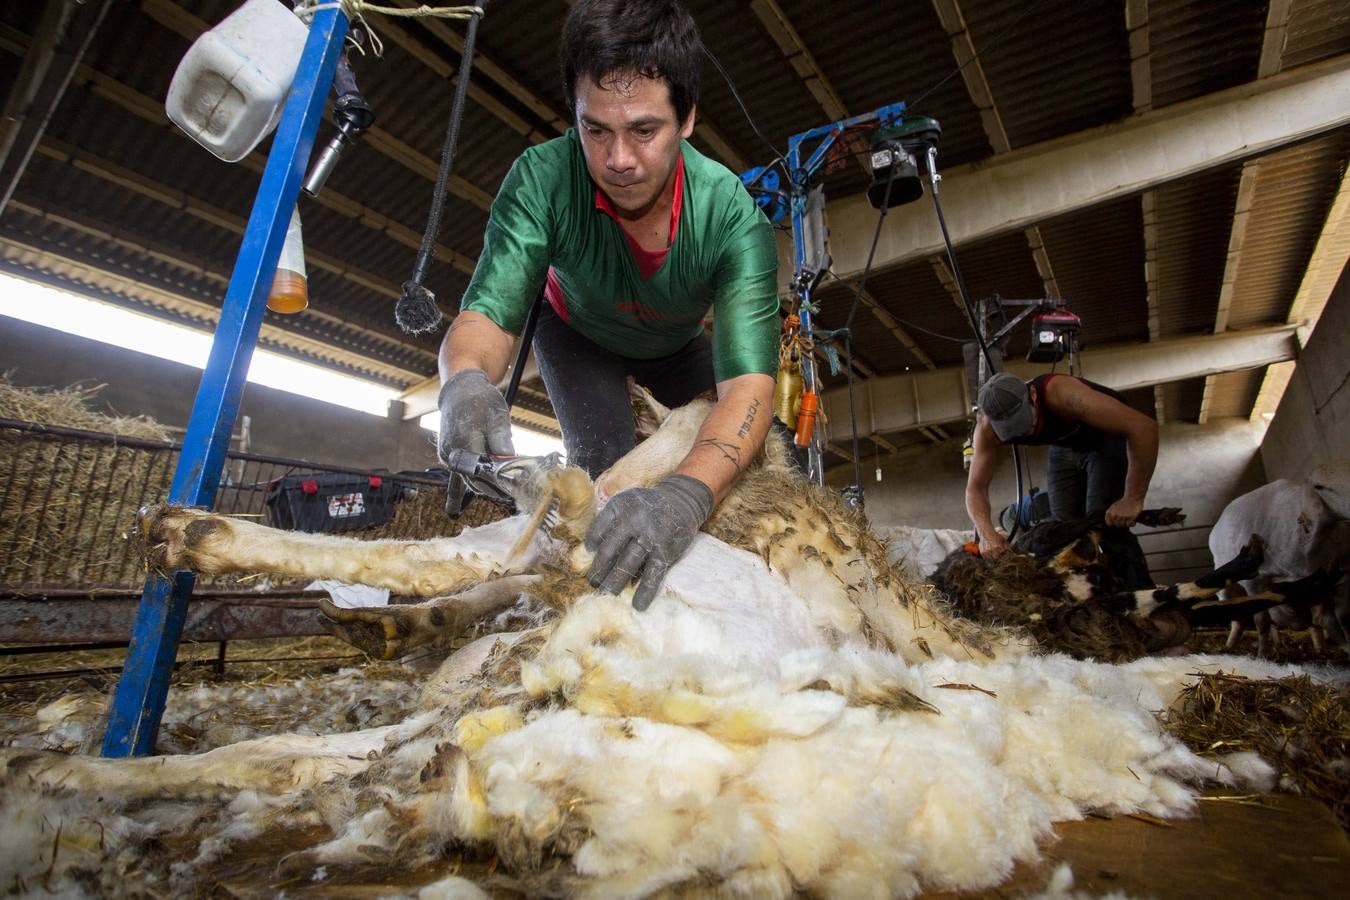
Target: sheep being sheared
(1083,588)
(787,719)
(1306,529)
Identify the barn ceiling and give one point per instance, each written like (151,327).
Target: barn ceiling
(115,203)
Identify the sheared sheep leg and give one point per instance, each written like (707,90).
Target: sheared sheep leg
(388,632)
(214,544)
(1235,629)
(273,765)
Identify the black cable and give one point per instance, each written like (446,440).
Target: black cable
(741,103)
(416,310)
(906,322)
(970,314)
(956,270)
(957,71)
(848,327)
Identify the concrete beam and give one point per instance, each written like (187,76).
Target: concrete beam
(1030,184)
(924,399)
(27,260)
(780,28)
(1237,239)
(972,72)
(1328,261)
(1271,61)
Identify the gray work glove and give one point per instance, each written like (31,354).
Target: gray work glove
(644,531)
(474,416)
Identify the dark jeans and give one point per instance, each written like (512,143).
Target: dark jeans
(589,388)
(1083,483)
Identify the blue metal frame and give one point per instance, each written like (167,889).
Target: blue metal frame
(138,702)
(799,176)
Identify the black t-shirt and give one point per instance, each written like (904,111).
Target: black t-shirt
(1059,431)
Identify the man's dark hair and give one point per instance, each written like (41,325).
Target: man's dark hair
(653,38)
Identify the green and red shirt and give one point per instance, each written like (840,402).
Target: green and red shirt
(550,225)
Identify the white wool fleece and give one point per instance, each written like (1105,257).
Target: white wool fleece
(691,752)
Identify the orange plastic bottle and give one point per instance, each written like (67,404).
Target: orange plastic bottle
(290,286)
(806,418)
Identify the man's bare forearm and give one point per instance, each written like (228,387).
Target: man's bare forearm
(732,434)
(475,342)
(979,509)
(1142,447)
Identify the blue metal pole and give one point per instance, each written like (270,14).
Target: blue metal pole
(138,702)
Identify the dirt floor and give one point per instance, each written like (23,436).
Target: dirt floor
(1234,848)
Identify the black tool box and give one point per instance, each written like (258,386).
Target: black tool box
(336,501)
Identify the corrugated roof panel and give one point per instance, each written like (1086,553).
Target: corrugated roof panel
(855,44)
(1062,68)
(774,94)
(1098,258)
(1294,191)
(1195,220)
(1318,29)
(913,294)
(1197,47)
(1234,393)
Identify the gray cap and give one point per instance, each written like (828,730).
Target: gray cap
(1005,402)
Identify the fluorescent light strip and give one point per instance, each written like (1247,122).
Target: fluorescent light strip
(109,324)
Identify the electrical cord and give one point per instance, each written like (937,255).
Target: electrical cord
(970,313)
(416,309)
(848,327)
(717,64)
(989,46)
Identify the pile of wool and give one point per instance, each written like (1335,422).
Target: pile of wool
(254,698)
(724,740)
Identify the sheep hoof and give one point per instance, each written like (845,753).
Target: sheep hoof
(386,632)
(172,535)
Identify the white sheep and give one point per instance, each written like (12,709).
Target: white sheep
(1306,530)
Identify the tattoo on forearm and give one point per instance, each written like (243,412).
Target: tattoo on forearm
(730,452)
(749,419)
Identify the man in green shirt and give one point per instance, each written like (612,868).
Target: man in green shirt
(633,235)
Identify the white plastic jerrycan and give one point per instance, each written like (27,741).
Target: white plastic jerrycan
(229,89)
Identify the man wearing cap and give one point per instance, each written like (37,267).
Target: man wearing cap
(1102,452)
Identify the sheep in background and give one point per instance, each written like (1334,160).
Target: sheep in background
(786,718)
(1306,530)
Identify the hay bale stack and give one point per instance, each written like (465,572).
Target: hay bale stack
(421,516)
(64,504)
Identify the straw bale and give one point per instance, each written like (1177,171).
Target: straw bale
(66,505)
(422,516)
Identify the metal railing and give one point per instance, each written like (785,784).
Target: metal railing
(69,498)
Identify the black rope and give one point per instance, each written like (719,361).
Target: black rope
(416,311)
